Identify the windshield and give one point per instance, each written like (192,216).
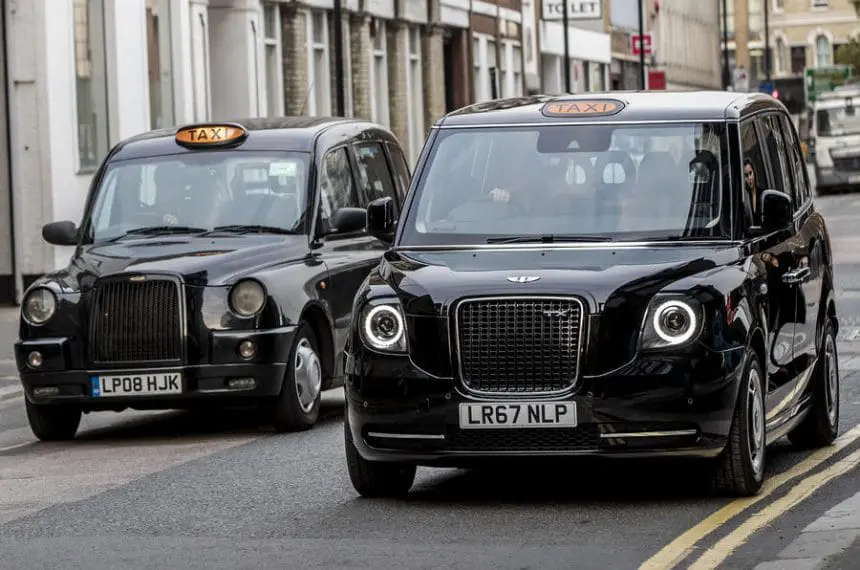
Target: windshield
(620,182)
(204,190)
(838,121)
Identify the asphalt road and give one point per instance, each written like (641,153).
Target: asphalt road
(143,490)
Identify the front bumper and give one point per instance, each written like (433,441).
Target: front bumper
(680,407)
(200,382)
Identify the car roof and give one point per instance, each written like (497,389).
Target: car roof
(636,106)
(293,133)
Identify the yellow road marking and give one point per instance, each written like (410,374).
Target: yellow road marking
(679,548)
(718,553)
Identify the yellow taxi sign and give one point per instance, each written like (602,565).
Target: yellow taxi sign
(210,135)
(582,107)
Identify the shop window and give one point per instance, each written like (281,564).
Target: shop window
(90,83)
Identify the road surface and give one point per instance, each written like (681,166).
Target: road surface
(144,490)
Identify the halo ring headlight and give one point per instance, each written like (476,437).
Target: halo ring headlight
(675,322)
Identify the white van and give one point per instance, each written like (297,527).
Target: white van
(832,129)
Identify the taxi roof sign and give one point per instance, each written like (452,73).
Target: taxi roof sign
(210,134)
(582,108)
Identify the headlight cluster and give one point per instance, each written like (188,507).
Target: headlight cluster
(383,327)
(670,323)
(247,298)
(39,306)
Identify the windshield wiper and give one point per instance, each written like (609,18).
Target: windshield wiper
(159,230)
(248,228)
(549,238)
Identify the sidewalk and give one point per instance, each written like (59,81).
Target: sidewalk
(10,387)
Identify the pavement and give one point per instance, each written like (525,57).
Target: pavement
(9,385)
(173,490)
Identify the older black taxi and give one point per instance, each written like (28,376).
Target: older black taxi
(633,274)
(215,264)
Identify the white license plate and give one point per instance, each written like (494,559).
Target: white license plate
(137,385)
(854,179)
(517,415)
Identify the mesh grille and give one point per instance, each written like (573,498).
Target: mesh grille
(519,345)
(136,321)
(583,438)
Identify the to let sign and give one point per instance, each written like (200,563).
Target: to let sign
(636,44)
(576,10)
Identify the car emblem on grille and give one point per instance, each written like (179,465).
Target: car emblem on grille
(523,278)
(560,313)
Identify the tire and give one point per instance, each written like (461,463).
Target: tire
(741,467)
(297,407)
(821,425)
(376,479)
(53,423)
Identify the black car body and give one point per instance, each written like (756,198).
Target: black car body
(671,311)
(215,264)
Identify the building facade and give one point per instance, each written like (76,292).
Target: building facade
(624,25)
(589,45)
(496,49)
(686,43)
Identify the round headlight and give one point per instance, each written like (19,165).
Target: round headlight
(39,306)
(383,327)
(674,322)
(247,298)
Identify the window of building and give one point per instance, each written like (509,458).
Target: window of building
(90,83)
(798,59)
(755,18)
(820,3)
(823,51)
(781,55)
(415,93)
(778,5)
(159,52)
(319,77)
(274,71)
(492,71)
(517,60)
(476,61)
(379,75)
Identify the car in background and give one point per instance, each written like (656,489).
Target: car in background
(215,265)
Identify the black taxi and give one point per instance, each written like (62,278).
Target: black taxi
(631,274)
(214,264)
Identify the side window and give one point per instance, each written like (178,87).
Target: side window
(373,172)
(401,169)
(775,149)
(796,164)
(336,185)
(752,172)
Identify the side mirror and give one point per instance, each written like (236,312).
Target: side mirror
(348,220)
(60,233)
(776,210)
(381,219)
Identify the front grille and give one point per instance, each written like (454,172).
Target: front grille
(516,345)
(135,321)
(847,163)
(582,438)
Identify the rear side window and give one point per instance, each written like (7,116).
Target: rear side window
(776,153)
(795,161)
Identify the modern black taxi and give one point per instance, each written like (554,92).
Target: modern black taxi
(632,274)
(215,264)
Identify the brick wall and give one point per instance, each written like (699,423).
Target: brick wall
(294,34)
(433,73)
(397,96)
(360,48)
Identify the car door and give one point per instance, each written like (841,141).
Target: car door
(808,252)
(349,257)
(777,300)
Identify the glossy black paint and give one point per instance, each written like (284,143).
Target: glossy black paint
(748,308)
(308,278)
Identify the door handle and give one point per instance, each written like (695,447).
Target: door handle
(798,275)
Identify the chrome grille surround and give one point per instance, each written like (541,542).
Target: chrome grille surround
(509,346)
(136,319)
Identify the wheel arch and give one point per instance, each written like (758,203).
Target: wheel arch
(316,317)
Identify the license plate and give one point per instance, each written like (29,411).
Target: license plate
(518,415)
(137,385)
(854,179)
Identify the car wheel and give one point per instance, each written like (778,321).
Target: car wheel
(53,423)
(376,478)
(741,466)
(821,425)
(298,405)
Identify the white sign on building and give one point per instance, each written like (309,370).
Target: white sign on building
(576,9)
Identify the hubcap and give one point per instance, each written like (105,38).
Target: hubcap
(755,413)
(832,375)
(308,374)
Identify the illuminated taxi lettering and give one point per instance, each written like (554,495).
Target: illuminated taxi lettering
(584,107)
(204,135)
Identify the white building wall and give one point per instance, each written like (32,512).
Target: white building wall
(236,44)
(687,44)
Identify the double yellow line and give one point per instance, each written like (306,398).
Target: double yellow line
(681,547)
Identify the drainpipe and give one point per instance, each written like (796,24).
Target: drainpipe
(13,218)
